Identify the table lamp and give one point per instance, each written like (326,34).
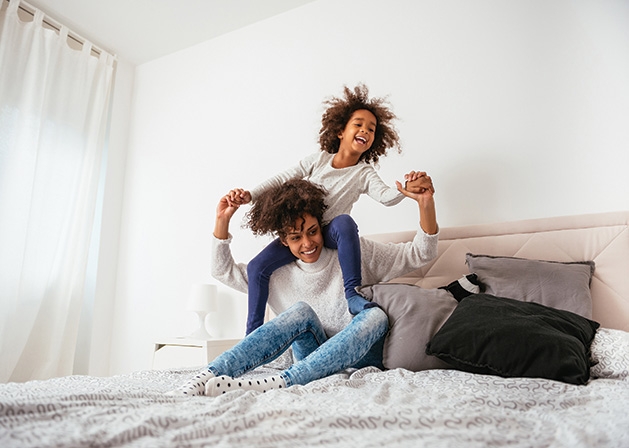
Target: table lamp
(202,300)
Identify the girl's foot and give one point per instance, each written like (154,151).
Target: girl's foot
(357,303)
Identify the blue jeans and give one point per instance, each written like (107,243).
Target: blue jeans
(358,345)
(341,233)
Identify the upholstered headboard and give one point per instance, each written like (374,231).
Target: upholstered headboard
(603,238)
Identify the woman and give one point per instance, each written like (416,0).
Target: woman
(308,294)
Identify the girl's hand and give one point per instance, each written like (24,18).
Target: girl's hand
(416,192)
(238,196)
(418,182)
(414,175)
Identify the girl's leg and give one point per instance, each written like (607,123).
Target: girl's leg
(259,271)
(357,345)
(342,234)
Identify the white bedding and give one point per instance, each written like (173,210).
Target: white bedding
(436,408)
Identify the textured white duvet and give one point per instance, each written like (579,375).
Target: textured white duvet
(437,408)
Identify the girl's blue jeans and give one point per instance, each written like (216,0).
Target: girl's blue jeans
(341,233)
(358,345)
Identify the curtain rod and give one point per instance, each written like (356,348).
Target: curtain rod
(30,10)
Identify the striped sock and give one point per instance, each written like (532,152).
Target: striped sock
(463,287)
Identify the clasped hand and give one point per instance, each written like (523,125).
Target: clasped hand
(417,182)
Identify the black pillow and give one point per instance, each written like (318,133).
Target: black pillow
(499,336)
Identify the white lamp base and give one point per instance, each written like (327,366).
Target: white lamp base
(201,332)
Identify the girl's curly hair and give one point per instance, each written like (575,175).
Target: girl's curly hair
(340,110)
(277,209)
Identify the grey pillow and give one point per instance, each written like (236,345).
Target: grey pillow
(415,315)
(560,285)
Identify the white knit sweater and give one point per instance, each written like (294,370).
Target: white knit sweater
(344,185)
(320,284)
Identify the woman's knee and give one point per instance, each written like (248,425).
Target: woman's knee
(302,307)
(300,311)
(377,318)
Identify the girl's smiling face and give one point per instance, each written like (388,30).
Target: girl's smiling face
(305,240)
(359,133)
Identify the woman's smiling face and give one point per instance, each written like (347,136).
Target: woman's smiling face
(305,240)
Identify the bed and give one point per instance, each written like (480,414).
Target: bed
(434,405)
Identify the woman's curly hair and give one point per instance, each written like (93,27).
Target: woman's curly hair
(277,209)
(340,110)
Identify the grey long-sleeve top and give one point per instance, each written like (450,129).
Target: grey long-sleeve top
(344,185)
(320,284)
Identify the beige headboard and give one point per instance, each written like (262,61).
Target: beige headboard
(603,238)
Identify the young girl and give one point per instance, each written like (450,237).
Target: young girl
(356,131)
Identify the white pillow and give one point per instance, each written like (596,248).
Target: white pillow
(610,352)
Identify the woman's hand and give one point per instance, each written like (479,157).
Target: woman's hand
(224,211)
(423,193)
(417,193)
(226,208)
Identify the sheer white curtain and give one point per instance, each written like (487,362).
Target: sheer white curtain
(54,105)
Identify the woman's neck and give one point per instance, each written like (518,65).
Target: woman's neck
(321,263)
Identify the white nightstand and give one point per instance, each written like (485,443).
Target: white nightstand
(185,352)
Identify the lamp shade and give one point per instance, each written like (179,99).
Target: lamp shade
(202,297)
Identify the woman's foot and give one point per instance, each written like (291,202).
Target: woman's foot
(222,384)
(195,386)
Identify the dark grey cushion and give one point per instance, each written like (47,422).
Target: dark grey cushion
(561,285)
(510,338)
(415,315)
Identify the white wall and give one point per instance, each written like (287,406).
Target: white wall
(518,109)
